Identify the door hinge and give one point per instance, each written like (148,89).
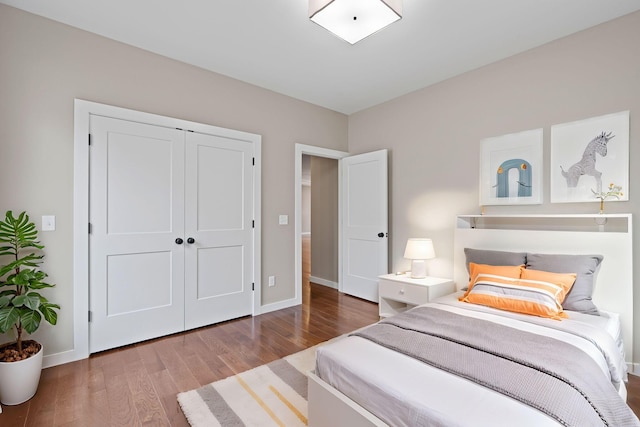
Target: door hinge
(90,316)
(89,228)
(253,161)
(253,223)
(253,286)
(89,139)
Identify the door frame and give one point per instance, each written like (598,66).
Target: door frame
(82,112)
(300,150)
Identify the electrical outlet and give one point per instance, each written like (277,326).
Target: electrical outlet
(272,281)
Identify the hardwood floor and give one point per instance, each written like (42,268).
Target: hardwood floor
(633,394)
(137,385)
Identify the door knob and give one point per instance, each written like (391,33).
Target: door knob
(191,240)
(179,241)
(380,234)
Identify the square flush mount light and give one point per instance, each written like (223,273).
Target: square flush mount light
(353,20)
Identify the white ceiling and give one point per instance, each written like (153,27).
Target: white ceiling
(272,43)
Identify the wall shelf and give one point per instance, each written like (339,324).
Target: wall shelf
(614,223)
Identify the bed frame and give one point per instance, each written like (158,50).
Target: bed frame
(608,235)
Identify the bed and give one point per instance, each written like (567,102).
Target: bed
(383,375)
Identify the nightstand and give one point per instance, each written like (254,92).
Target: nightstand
(399,292)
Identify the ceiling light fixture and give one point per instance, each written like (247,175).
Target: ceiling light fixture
(353,20)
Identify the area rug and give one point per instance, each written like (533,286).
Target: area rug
(274,394)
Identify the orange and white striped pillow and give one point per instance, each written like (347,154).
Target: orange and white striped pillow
(566,280)
(521,295)
(512,271)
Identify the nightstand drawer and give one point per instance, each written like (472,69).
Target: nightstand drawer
(398,292)
(406,292)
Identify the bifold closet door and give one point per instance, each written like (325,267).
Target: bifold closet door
(136,213)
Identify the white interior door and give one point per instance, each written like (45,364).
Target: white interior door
(219,216)
(364,223)
(136,211)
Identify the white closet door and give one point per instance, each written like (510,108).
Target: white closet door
(364,223)
(136,213)
(219,216)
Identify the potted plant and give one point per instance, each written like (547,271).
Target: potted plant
(22,308)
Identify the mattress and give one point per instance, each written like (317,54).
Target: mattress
(403,391)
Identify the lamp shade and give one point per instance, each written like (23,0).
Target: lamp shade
(353,20)
(419,249)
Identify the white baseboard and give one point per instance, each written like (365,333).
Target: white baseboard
(279,305)
(323,282)
(633,369)
(63,357)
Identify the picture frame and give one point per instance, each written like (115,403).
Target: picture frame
(511,169)
(589,155)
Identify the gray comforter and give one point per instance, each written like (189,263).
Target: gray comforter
(547,374)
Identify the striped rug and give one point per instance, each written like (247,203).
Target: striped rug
(274,394)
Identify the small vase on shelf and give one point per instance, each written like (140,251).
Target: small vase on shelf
(612,191)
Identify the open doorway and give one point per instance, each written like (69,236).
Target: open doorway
(320,221)
(305,233)
(317,205)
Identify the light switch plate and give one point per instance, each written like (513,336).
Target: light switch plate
(48,222)
(283,220)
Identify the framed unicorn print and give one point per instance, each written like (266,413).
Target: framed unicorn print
(511,169)
(589,156)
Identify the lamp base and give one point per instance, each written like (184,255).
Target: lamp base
(418,269)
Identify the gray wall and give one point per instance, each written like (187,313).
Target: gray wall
(324,218)
(433,134)
(44,65)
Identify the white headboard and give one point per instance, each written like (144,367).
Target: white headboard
(607,235)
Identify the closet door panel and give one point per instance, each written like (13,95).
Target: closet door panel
(136,213)
(219,210)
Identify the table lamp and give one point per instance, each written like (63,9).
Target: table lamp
(419,250)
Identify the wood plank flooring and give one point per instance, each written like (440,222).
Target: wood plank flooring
(137,385)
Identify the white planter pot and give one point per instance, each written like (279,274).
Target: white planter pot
(19,380)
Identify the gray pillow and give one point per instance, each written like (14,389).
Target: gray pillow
(484,256)
(586,268)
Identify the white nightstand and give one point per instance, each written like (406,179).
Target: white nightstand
(399,292)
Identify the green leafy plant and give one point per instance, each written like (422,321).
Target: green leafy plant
(21,307)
